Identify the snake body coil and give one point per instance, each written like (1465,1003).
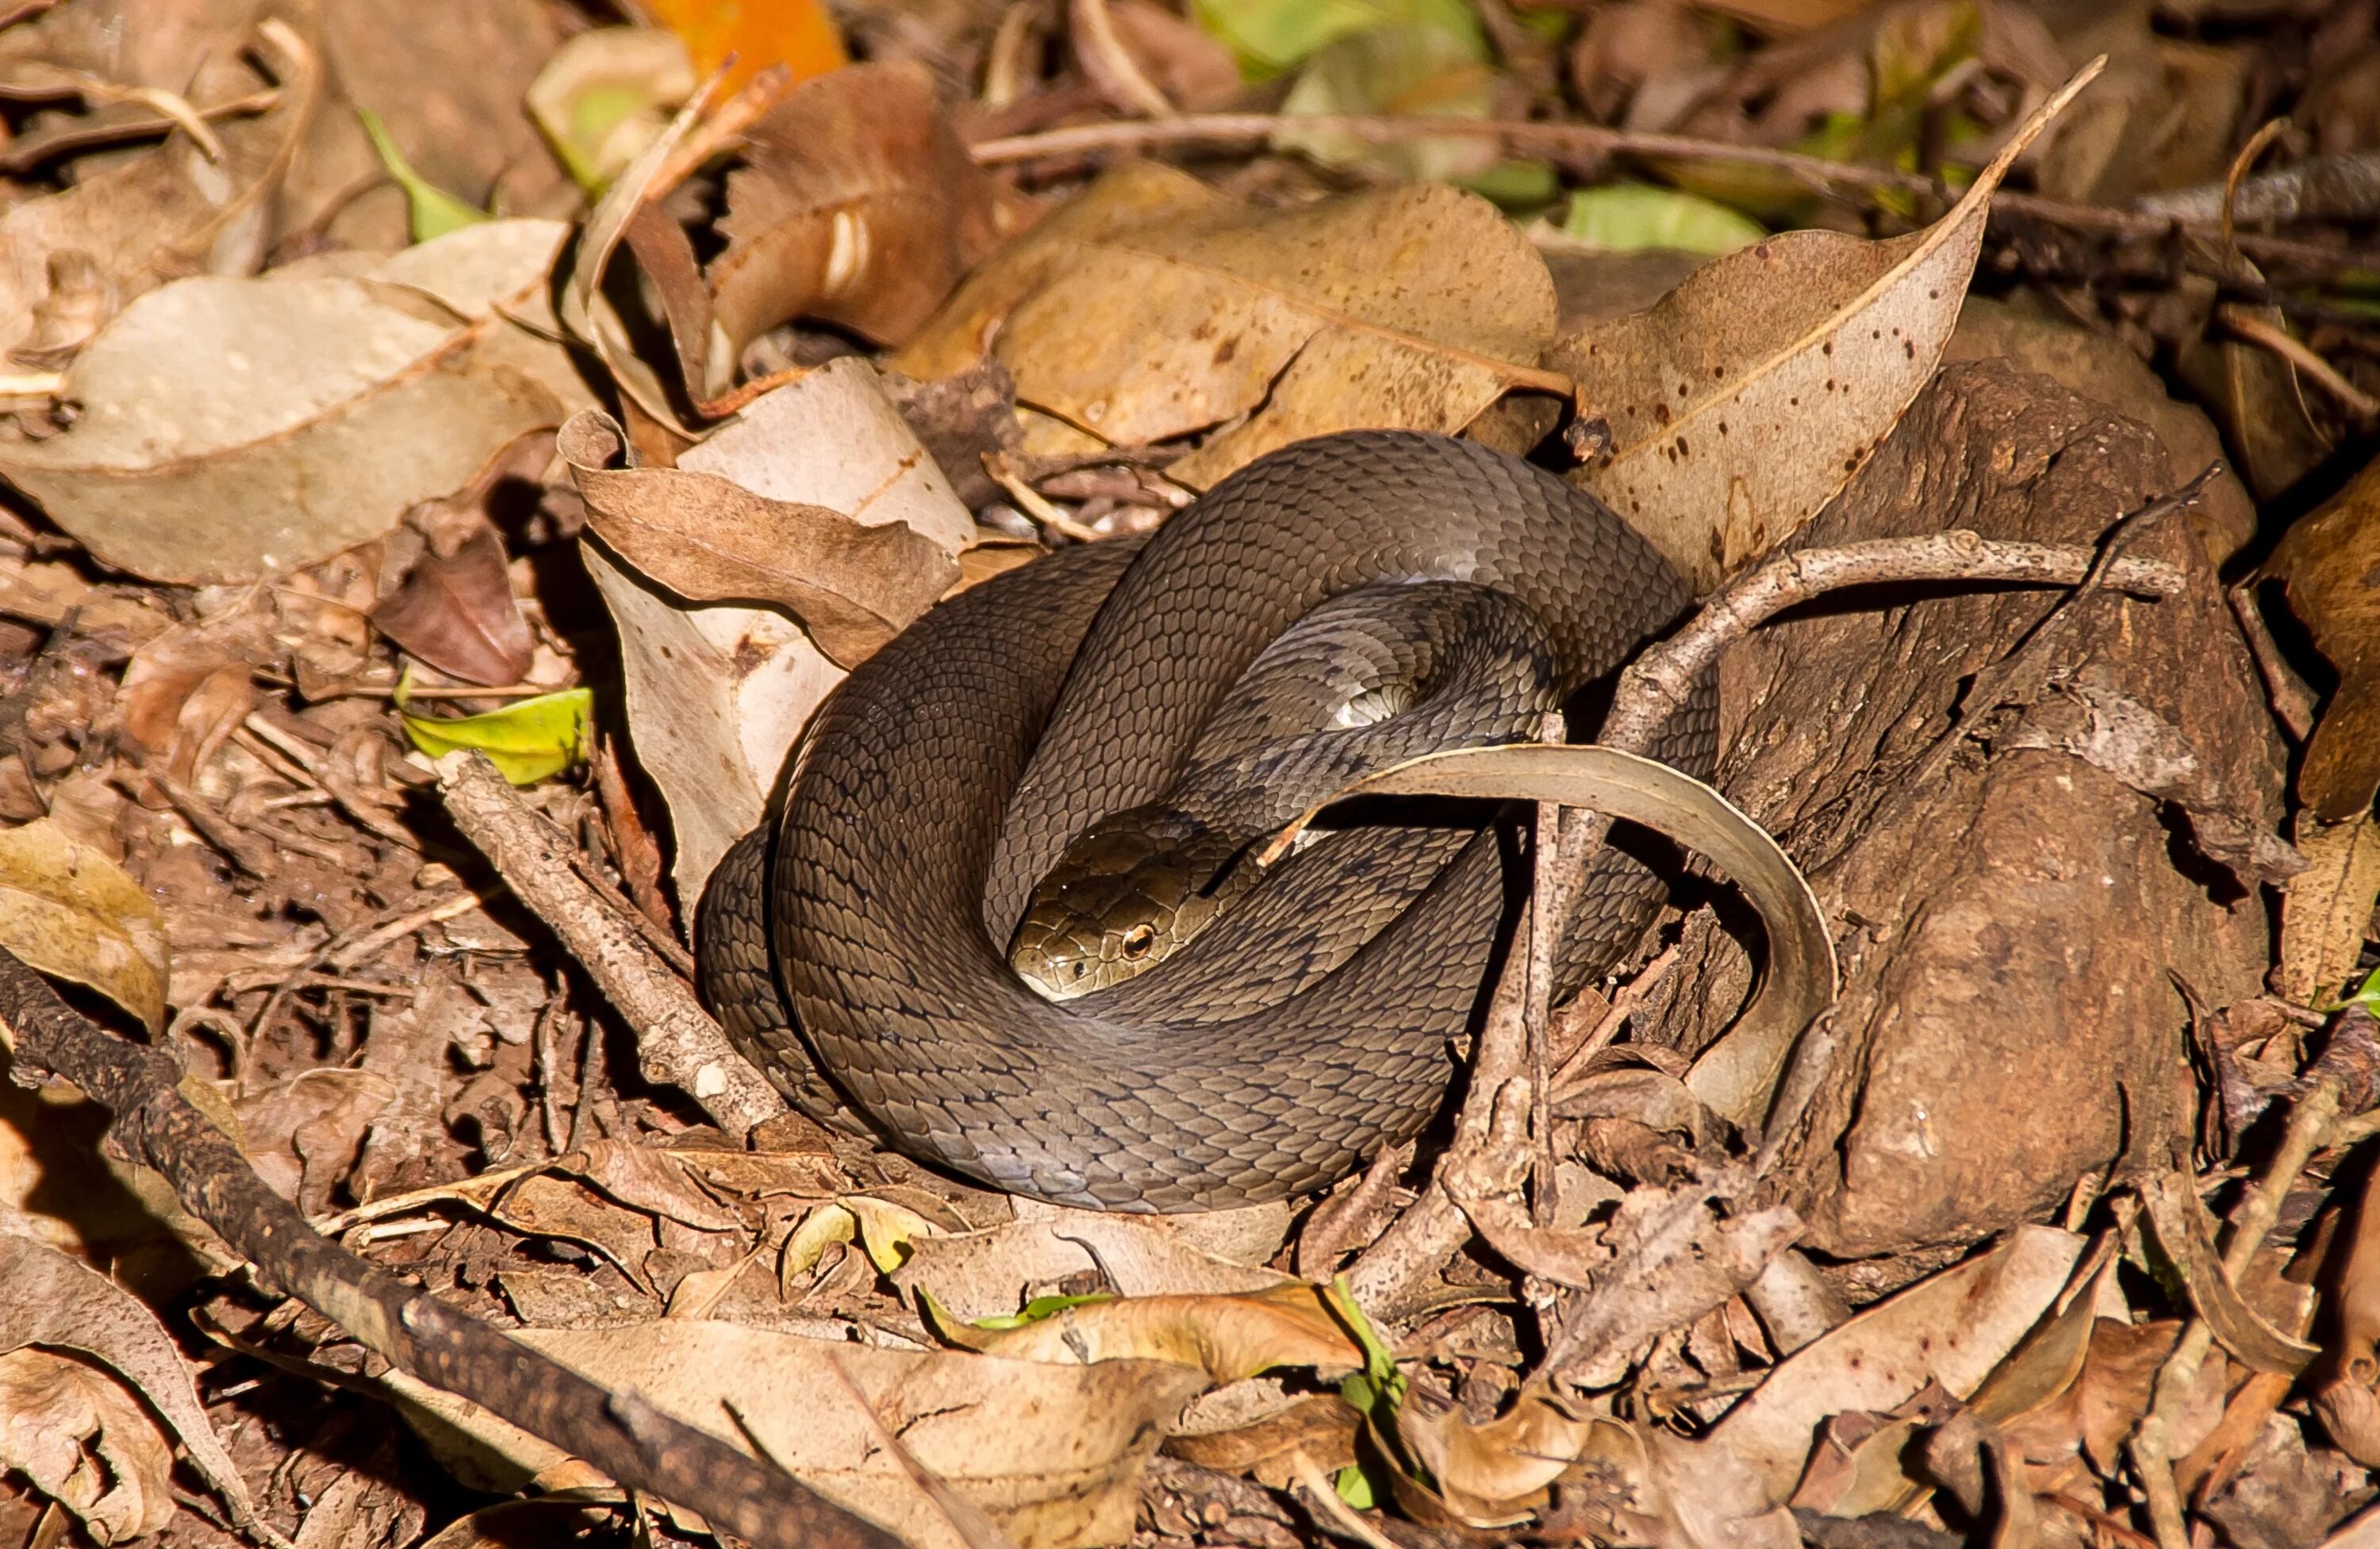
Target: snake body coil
(949,772)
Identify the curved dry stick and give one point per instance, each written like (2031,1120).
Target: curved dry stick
(154,1125)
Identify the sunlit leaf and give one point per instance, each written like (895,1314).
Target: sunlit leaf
(525,741)
(607,94)
(434,211)
(1271,36)
(1624,217)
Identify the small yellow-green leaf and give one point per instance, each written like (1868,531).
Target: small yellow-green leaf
(434,211)
(525,741)
(1623,217)
(1269,36)
(607,94)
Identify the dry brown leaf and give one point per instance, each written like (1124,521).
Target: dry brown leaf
(170,212)
(69,910)
(1320,1425)
(716,695)
(857,206)
(852,584)
(183,692)
(1228,1337)
(2183,1234)
(457,613)
(305,1133)
(2254,393)
(1740,403)
(231,427)
(1054,1453)
(1644,1486)
(55,1302)
(553,1207)
(1152,307)
(2326,561)
(1954,1328)
(1494,1473)
(656,1181)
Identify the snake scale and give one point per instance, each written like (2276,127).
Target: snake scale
(856,946)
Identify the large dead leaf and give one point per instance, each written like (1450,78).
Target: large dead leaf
(1153,308)
(988,1274)
(58,1304)
(857,205)
(1953,1329)
(69,910)
(1054,1453)
(717,694)
(231,427)
(1743,400)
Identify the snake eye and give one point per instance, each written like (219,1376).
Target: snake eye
(1139,940)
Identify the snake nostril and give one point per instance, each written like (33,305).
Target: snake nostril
(1139,940)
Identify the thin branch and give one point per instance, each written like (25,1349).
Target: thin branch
(154,1125)
(1591,142)
(677,1043)
(2281,342)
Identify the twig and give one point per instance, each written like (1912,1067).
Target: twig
(678,1043)
(1393,1273)
(1036,505)
(1333,1513)
(2227,220)
(2281,342)
(2344,187)
(1536,1012)
(1105,63)
(2293,703)
(152,1124)
(1594,141)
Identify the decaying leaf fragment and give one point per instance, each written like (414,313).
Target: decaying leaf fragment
(1152,307)
(1228,1337)
(69,910)
(1741,401)
(229,427)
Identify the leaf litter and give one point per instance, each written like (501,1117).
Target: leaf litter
(292,512)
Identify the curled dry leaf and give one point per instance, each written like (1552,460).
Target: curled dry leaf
(603,96)
(857,206)
(1740,402)
(184,692)
(55,1302)
(1954,1328)
(69,910)
(1054,1453)
(2325,562)
(86,1444)
(852,584)
(1152,306)
(2183,1234)
(230,427)
(717,694)
(1228,1337)
(2327,905)
(303,1135)
(457,612)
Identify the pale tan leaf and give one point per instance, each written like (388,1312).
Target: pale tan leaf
(2326,561)
(1228,1337)
(230,427)
(989,1273)
(55,1302)
(1954,1328)
(1054,1453)
(1741,401)
(1152,307)
(69,910)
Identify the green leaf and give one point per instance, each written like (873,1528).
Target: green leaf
(1355,1488)
(1271,36)
(525,741)
(2366,994)
(1040,1307)
(435,211)
(1623,217)
(1412,67)
(1517,187)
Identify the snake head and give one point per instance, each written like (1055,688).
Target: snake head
(1129,893)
